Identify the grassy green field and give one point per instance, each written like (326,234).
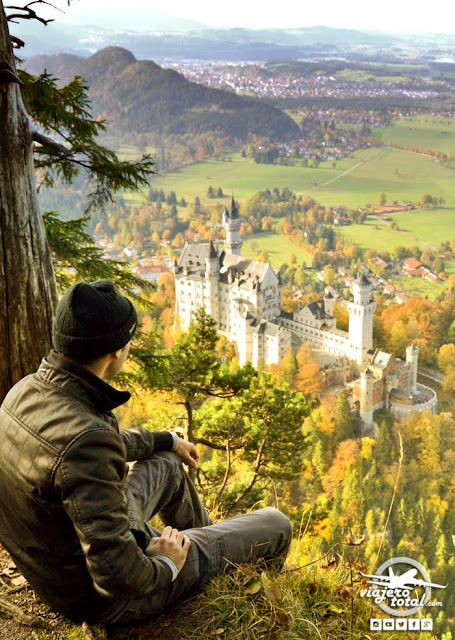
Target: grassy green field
(419,287)
(432,227)
(427,135)
(424,228)
(377,235)
(362,76)
(129,152)
(400,174)
(277,247)
(245,177)
(355,182)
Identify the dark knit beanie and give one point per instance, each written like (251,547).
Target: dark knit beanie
(92,320)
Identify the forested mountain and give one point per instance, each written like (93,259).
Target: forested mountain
(140,96)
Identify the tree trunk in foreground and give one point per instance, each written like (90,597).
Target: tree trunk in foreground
(28,291)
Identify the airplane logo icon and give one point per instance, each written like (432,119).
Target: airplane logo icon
(407,580)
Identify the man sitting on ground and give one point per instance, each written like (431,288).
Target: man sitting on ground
(74,515)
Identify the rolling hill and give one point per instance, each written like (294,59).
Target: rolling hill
(139,96)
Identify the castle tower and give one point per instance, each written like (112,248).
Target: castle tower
(328,304)
(212,265)
(366,397)
(212,271)
(412,359)
(231,224)
(361,312)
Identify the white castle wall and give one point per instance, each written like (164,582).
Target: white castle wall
(402,410)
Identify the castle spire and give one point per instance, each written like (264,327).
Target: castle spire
(212,251)
(234,210)
(231,224)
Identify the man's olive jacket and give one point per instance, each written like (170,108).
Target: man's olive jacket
(64,515)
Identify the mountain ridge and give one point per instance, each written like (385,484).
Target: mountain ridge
(204,43)
(139,96)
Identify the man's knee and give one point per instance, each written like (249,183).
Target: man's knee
(147,477)
(170,467)
(170,458)
(278,523)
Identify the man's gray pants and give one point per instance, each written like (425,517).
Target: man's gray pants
(161,486)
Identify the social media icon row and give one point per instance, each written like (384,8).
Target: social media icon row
(401,624)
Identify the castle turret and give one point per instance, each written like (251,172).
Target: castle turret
(212,271)
(212,264)
(231,224)
(366,397)
(412,359)
(328,304)
(361,312)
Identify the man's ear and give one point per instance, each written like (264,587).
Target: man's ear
(116,354)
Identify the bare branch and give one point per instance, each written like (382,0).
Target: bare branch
(212,445)
(28,13)
(8,74)
(50,144)
(217,394)
(251,484)
(17,42)
(286,571)
(226,475)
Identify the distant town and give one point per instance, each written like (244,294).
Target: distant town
(250,79)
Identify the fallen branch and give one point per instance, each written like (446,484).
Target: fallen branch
(21,617)
(4,583)
(18,588)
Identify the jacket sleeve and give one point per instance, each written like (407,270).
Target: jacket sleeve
(90,480)
(141,443)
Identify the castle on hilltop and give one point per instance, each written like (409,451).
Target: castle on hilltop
(244,297)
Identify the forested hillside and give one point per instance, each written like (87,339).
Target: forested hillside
(139,96)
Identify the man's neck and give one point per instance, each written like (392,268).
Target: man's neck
(99,368)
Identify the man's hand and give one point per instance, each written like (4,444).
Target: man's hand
(173,544)
(188,452)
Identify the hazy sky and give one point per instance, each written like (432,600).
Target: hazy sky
(386,15)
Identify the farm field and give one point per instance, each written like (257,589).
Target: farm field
(424,228)
(377,235)
(428,133)
(130,152)
(418,287)
(245,177)
(401,175)
(361,76)
(278,249)
(431,226)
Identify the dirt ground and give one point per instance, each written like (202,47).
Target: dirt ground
(24,617)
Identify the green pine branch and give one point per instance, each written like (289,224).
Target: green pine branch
(75,256)
(64,115)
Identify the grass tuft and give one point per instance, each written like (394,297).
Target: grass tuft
(320,602)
